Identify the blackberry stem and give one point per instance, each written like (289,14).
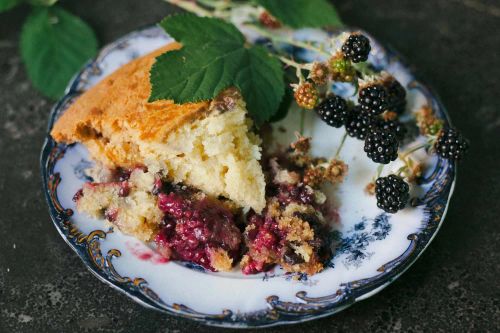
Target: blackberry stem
(293,63)
(190,6)
(218,5)
(286,40)
(405,154)
(302,119)
(299,67)
(363,68)
(341,145)
(380,168)
(400,170)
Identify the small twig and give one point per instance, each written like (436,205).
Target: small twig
(341,145)
(400,170)
(302,120)
(292,63)
(288,40)
(220,5)
(364,69)
(380,168)
(405,154)
(191,6)
(299,67)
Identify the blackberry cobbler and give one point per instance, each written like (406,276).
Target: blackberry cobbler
(292,230)
(187,224)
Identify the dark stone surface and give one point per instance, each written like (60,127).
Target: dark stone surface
(454,286)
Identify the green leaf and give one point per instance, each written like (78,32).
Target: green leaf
(214,57)
(303,13)
(8,4)
(260,80)
(194,31)
(194,74)
(288,97)
(54,46)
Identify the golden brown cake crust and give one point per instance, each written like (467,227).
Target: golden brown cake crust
(122,99)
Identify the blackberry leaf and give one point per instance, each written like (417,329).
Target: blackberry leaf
(214,57)
(194,74)
(54,45)
(182,26)
(303,13)
(260,80)
(8,4)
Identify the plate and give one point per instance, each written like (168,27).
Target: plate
(372,248)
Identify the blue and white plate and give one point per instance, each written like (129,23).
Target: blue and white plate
(372,249)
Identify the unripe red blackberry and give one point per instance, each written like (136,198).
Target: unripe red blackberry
(269,21)
(306,95)
(319,73)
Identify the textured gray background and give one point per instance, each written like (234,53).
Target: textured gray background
(454,286)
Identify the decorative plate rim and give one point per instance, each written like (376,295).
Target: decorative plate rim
(278,312)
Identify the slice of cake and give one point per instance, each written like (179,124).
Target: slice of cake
(207,145)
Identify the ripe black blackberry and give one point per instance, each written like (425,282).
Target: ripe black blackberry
(393,125)
(333,111)
(358,124)
(381,146)
(356,48)
(450,144)
(373,99)
(392,193)
(396,95)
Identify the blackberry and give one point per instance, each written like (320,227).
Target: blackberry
(333,111)
(392,193)
(319,73)
(356,48)
(381,146)
(396,95)
(358,124)
(341,69)
(306,95)
(373,99)
(450,144)
(393,125)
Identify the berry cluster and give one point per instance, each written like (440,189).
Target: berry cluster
(339,67)
(375,119)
